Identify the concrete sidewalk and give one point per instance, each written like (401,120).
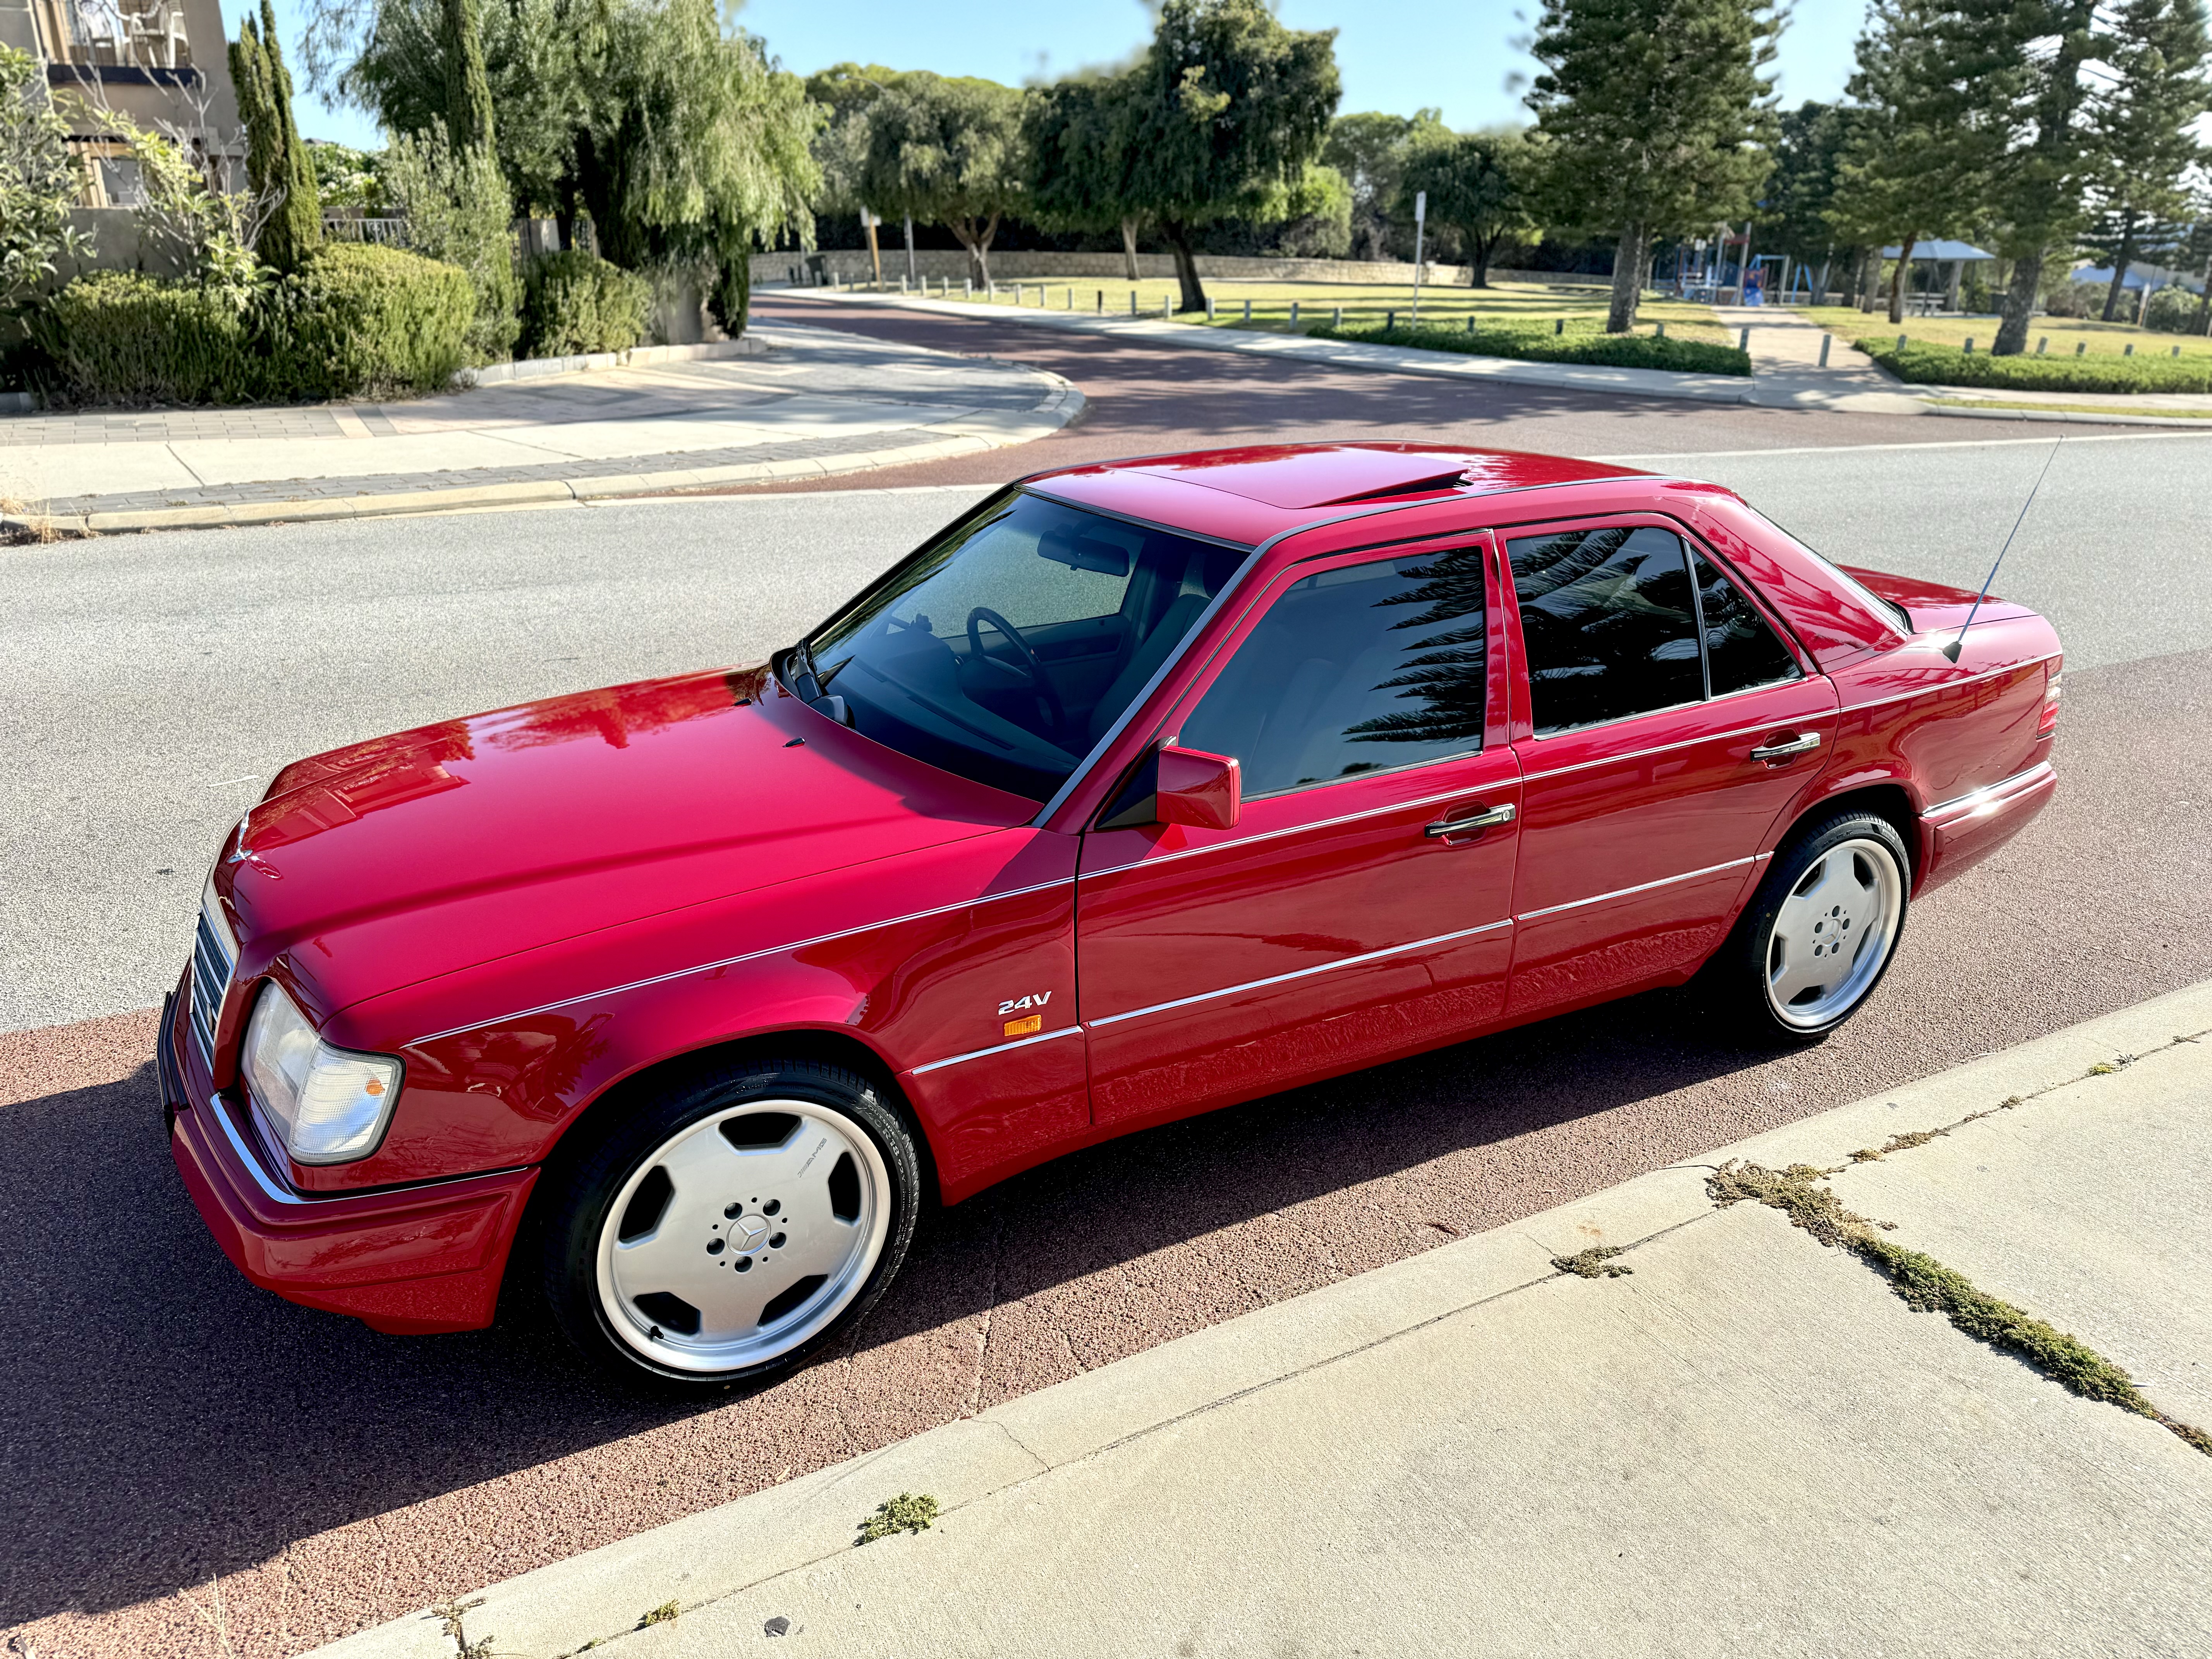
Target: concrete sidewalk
(785,402)
(1745,1443)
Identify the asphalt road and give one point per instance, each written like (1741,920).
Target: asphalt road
(192,1467)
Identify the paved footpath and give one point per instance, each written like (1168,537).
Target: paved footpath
(1746,1443)
(785,403)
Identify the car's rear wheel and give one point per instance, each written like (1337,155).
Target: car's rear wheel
(733,1225)
(1821,930)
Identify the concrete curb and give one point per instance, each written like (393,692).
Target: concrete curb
(539,368)
(600,1595)
(1441,365)
(971,434)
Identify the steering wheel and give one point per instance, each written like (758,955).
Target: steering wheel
(1055,711)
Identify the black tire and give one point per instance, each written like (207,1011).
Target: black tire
(653,1130)
(1740,979)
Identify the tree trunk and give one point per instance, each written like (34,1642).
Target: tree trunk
(2120,259)
(2019,306)
(1129,248)
(1479,250)
(1869,280)
(1627,278)
(1820,296)
(1186,264)
(1897,279)
(2204,300)
(978,243)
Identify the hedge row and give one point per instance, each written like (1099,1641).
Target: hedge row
(1538,344)
(574,301)
(1924,364)
(355,320)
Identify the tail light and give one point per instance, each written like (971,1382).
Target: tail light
(2049,723)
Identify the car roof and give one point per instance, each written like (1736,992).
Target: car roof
(1248,494)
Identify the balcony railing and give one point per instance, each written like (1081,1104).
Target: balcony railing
(140,35)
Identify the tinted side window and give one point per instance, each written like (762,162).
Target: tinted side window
(1740,649)
(1610,624)
(1362,669)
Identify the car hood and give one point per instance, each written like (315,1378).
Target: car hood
(403,858)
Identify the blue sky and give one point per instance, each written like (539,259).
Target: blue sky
(1395,54)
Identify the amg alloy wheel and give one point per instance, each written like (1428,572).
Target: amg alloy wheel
(1821,930)
(731,1228)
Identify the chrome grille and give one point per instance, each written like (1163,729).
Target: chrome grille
(211,966)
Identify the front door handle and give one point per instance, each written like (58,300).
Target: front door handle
(1483,817)
(1782,749)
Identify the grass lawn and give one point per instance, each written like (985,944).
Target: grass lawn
(1363,304)
(2064,333)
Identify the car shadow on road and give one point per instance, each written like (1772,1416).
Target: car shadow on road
(169,1422)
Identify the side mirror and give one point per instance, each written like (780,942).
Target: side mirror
(1204,791)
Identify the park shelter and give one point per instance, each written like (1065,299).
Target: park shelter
(1939,265)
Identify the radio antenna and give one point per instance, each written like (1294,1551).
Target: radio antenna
(1988,581)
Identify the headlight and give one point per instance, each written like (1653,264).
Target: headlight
(330,1104)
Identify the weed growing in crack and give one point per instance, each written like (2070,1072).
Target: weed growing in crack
(449,1614)
(1595,1262)
(908,1512)
(663,1614)
(1926,1285)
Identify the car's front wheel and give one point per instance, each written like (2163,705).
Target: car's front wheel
(733,1225)
(1820,931)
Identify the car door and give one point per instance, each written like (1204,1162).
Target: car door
(1664,725)
(1354,911)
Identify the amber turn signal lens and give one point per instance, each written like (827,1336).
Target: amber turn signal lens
(1028,1027)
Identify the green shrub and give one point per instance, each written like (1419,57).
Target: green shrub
(118,336)
(1537,343)
(2174,310)
(577,301)
(351,321)
(358,319)
(1922,364)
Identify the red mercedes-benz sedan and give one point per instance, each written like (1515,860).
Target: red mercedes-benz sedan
(1142,789)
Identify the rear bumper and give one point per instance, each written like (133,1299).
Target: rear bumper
(1959,834)
(405,1259)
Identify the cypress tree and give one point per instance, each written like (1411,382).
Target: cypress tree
(277,164)
(468,89)
(1657,119)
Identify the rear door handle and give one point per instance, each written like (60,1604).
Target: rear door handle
(1782,749)
(1484,818)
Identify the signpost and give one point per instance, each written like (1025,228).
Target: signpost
(910,247)
(1420,228)
(868,222)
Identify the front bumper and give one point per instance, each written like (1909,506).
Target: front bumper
(404,1259)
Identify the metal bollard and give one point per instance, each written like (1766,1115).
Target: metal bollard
(1743,340)
(2080,346)
(1900,343)
(1389,321)
(1558,325)
(1662,333)
(1970,345)
(1294,314)
(1209,307)
(2128,350)
(1133,302)
(967,287)
(1337,321)
(2042,345)
(2176,352)
(1827,340)
(1167,308)
(1248,308)
(1102,303)
(1470,322)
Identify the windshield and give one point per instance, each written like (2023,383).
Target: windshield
(1005,649)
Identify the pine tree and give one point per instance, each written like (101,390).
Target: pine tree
(1931,130)
(277,164)
(1657,118)
(2142,125)
(2040,185)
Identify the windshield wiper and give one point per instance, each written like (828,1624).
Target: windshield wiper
(800,660)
